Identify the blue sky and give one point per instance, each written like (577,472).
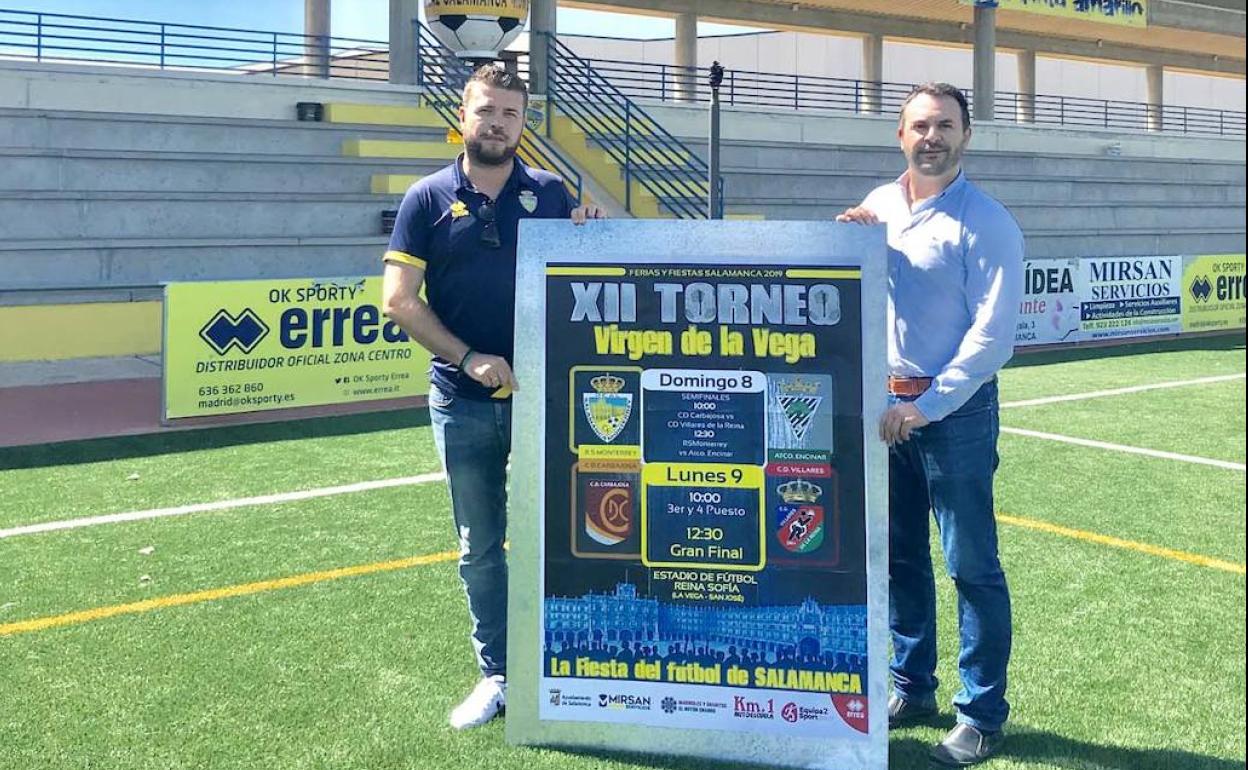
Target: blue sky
(361,19)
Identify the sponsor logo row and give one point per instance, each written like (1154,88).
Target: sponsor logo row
(740,708)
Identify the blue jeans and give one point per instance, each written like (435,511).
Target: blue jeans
(947,468)
(474,441)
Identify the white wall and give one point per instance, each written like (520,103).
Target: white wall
(914,63)
(1202,91)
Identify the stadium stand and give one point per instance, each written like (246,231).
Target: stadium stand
(102,206)
(1076,192)
(1068,205)
(114,180)
(94,199)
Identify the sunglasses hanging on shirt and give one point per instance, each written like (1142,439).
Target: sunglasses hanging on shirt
(489,233)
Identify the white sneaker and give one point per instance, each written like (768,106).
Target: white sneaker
(484,703)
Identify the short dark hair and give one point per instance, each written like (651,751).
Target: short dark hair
(939,90)
(496,77)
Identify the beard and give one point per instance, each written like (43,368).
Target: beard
(937,166)
(479,155)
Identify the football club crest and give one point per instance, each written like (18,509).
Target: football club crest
(528,201)
(800,521)
(800,411)
(535,114)
(799,401)
(609,511)
(607,409)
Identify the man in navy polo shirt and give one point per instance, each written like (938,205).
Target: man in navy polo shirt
(456,235)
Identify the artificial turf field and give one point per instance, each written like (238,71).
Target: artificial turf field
(1127,574)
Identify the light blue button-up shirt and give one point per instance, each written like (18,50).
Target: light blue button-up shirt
(955,280)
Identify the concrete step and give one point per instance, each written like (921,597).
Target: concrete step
(887,171)
(663,173)
(387,148)
(664,185)
(393,184)
(642,147)
(1062,243)
(120,131)
(117,264)
(833,185)
(45,332)
(648,152)
(607,124)
(1040,217)
(1059,241)
(777,156)
(1112,218)
(594,162)
(94,369)
(763,187)
(383,115)
(1112,192)
(891,150)
(189,215)
(95,170)
(1106,169)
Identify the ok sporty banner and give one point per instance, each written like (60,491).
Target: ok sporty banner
(245,346)
(1213,293)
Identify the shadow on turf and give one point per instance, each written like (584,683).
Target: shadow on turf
(123,447)
(1085,352)
(1022,746)
(1062,753)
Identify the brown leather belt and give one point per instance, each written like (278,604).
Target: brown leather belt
(908,386)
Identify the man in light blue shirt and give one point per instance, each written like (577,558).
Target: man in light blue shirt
(955,282)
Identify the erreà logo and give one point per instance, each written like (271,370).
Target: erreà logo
(1201,288)
(226,331)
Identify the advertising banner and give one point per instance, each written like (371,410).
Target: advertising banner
(1123,13)
(1129,296)
(1213,292)
(246,346)
(1049,312)
(704,533)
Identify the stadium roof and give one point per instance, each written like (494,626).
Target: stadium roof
(1198,35)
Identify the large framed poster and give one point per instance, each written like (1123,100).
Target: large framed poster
(699,524)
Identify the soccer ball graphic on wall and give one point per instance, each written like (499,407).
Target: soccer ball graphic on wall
(476,29)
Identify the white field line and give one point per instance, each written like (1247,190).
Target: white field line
(1121,391)
(1126,449)
(365,486)
(221,505)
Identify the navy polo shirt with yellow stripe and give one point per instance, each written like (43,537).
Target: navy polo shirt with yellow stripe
(470,284)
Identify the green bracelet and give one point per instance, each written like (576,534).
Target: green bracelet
(464,361)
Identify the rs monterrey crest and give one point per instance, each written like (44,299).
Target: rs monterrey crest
(607,408)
